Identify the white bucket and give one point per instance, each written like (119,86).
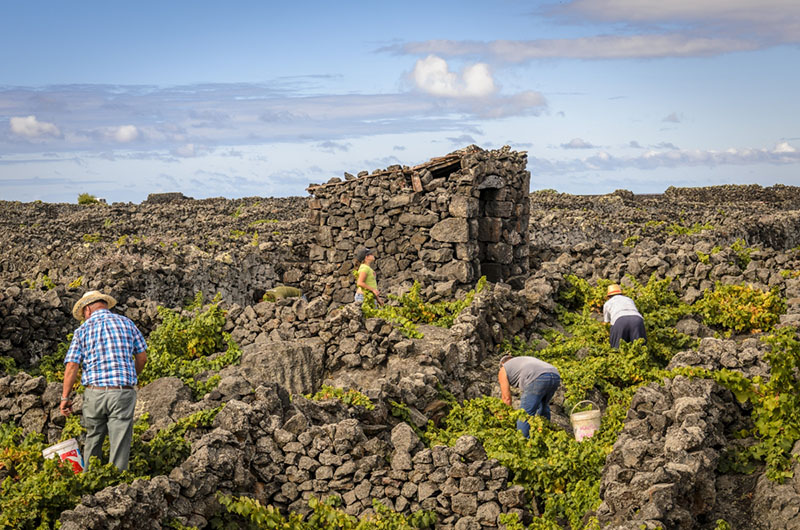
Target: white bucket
(67,450)
(584,424)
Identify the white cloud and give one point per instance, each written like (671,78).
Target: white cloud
(329,146)
(30,127)
(783,153)
(125,133)
(672,118)
(432,75)
(185,151)
(462,140)
(596,47)
(577,143)
(653,29)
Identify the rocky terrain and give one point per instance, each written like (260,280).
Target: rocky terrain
(271,443)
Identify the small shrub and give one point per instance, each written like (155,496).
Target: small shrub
(631,241)
(87,198)
(180,346)
(681,228)
(742,252)
(741,308)
(348,397)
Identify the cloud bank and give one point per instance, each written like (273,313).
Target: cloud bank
(31,128)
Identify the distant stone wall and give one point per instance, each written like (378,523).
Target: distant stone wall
(736,193)
(450,220)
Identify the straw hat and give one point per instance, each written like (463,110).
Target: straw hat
(614,289)
(91,297)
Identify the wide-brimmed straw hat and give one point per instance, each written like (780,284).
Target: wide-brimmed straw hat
(614,289)
(91,297)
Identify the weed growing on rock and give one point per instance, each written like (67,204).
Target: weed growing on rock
(52,366)
(348,397)
(325,515)
(631,241)
(742,252)
(8,366)
(680,229)
(74,284)
(91,238)
(261,221)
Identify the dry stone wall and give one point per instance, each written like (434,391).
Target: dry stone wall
(283,452)
(450,221)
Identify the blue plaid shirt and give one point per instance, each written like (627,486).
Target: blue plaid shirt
(104,346)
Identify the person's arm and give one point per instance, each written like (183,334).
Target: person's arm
(139,360)
(70,376)
(505,388)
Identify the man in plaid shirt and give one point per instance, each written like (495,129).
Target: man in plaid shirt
(111,353)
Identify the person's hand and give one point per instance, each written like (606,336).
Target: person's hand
(66,407)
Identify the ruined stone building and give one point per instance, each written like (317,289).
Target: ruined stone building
(448,221)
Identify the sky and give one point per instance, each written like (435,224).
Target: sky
(262,98)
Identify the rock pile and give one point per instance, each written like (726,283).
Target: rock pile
(284,452)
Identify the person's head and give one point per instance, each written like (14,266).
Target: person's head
(613,290)
(90,302)
(505,359)
(365,255)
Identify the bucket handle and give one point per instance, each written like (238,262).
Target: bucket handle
(580,402)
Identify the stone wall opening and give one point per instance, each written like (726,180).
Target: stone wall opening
(489,231)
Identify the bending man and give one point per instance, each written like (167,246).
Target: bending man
(626,322)
(111,353)
(537,380)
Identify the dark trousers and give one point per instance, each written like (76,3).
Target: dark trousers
(628,328)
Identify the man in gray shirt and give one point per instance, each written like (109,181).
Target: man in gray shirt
(537,380)
(626,322)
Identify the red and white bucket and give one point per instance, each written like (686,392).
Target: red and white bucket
(585,424)
(66,451)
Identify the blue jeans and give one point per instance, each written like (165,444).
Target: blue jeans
(536,399)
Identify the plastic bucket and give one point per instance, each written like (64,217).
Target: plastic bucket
(584,424)
(67,450)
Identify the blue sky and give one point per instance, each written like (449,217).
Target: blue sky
(248,98)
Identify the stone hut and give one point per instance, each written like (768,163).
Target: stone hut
(447,222)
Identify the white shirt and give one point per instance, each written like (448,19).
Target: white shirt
(619,306)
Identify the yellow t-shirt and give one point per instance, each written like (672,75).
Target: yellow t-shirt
(369,280)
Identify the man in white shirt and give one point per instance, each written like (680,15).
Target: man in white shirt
(626,322)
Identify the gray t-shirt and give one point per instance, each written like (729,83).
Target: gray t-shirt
(521,371)
(619,306)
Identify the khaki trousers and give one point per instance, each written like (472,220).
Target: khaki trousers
(109,411)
